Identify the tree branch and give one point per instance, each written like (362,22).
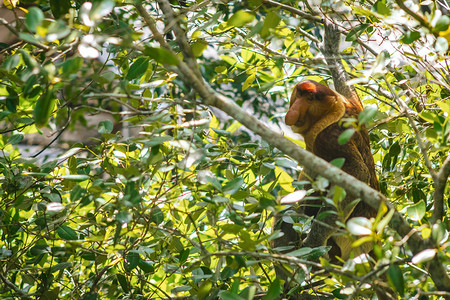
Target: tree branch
(439,184)
(12,286)
(335,175)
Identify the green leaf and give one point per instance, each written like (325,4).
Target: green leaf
(11,62)
(123,282)
(67,233)
(138,68)
(162,55)
(300,252)
(146,266)
(61,266)
(395,149)
(410,37)
(248,82)
(105,126)
(367,115)
(44,108)
(271,21)
(382,8)
(157,215)
(203,289)
(444,106)
(59,7)
(395,277)
(89,296)
(417,211)
(16,138)
(442,24)
(124,217)
(39,249)
(338,162)
(356,32)
(439,233)
(198,47)
(76,177)
(132,260)
(346,136)
(240,18)
(233,186)
(274,290)
(227,295)
(34,18)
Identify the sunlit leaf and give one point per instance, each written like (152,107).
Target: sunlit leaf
(270,22)
(161,55)
(359,226)
(240,18)
(424,256)
(417,211)
(293,197)
(198,47)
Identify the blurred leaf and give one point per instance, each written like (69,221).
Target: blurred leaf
(270,22)
(233,186)
(417,211)
(345,136)
(59,7)
(410,37)
(124,217)
(44,108)
(294,197)
(67,233)
(248,82)
(76,177)
(226,295)
(34,18)
(198,47)
(15,138)
(439,233)
(274,290)
(359,226)
(356,32)
(105,127)
(367,115)
(161,55)
(132,260)
(395,277)
(338,162)
(442,24)
(100,9)
(240,18)
(424,256)
(382,8)
(395,149)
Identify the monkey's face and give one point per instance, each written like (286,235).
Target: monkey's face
(310,102)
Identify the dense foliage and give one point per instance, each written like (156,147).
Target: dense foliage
(173,198)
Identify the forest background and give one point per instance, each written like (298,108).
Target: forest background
(172,157)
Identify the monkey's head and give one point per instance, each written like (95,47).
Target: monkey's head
(310,103)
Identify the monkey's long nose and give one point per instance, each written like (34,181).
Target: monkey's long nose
(294,112)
